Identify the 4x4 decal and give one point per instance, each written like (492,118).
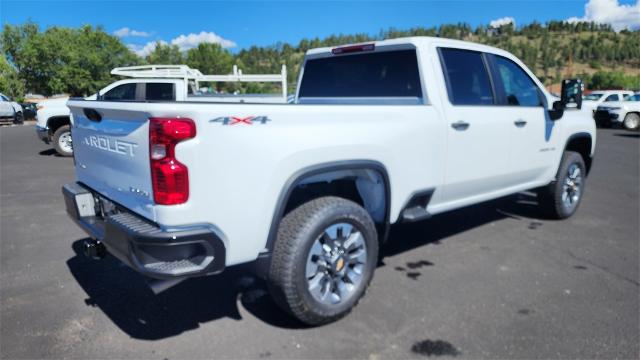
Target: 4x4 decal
(233,120)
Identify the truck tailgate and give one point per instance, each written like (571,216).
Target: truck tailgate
(111,150)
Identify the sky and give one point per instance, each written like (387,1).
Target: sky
(240,24)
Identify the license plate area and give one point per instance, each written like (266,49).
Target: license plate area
(105,207)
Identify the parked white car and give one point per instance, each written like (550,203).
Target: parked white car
(591,101)
(10,111)
(150,83)
(380,133)
(624,113)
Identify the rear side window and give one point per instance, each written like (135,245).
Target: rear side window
(160,91)
(378,74)
(519,89)
(467,77)
(121,92)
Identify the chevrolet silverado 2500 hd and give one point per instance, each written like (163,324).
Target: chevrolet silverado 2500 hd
(384,132)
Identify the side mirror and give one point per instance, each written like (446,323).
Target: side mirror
(571,94)
(557,111)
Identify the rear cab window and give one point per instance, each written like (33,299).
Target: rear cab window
(390,74)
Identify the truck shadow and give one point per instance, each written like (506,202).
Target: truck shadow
(123,295)
(49,152)
(628,135)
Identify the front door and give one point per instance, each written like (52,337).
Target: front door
(533,146)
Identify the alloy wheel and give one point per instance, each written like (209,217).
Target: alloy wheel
(336,263)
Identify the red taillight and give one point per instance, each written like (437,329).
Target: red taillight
(353,48)
(170,178)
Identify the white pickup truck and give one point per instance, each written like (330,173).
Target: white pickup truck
(380,133)
(151,83)
(625,113)
(54,123)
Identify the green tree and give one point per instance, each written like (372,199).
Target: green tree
(10,83)
(210,59)
(165,54)
(64,60)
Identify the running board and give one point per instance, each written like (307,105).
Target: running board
(415,213)
(416,208)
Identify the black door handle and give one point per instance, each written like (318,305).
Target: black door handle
(520,123)
(92,114)
(460,125)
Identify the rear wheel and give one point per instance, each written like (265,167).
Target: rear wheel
(561,198)
(62,141)
(323,260)
(631,121)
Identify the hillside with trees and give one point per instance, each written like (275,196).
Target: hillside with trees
(78,61)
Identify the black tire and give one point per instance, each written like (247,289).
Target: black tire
(56,139)
(18,119)
(297,233)
(551,198)
(631,122)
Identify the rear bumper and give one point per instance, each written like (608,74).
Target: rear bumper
(43,133)
(146,247)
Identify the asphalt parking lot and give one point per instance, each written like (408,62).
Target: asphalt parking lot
(490,281)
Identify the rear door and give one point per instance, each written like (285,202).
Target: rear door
(477,133)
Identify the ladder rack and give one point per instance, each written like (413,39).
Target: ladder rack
(187,73)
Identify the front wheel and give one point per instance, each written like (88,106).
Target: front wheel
(62,141)
(631,121)
(561,198)
(323,259)
(18,118)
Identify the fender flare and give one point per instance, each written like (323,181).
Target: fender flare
(578,135)
(300,175)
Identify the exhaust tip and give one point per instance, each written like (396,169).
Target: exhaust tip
(94,249)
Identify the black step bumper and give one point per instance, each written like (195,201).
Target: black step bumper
(143,245)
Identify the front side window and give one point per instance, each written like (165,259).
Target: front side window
(160,91)
(121,92)
(519,89)
(467,77)
(377,74)
(613,97)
